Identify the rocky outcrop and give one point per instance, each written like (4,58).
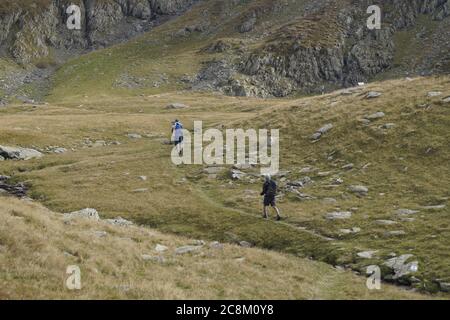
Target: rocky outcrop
(29,32)
(327,48)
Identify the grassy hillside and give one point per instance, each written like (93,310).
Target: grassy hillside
(36,247)
(184,201)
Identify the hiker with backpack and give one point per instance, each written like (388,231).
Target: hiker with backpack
(177,132)
(269,192)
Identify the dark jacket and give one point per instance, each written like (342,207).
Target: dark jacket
(269,188)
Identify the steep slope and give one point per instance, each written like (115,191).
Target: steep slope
(272,48)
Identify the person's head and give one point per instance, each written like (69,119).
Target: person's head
(267,177)
(176,120)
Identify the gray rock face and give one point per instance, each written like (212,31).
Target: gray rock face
(17,153)
(87,213)
(103,23)
(338,215)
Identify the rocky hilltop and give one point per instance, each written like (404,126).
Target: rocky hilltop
(31,30)
(327,44)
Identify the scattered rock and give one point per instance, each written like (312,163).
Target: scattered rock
(187,249)
(143,178)
(157,259)
(319,133)
(373,94)
(216,245)
(361,190)
(394,233)
(88,213)
(434,94)
(141,190)
(161,248)
(366,254)
(245,244)
(375,116)
(405,211)
(434,208)
(338,215)
(59,150)
(176,106)
(134,136)
(18,153)
(119,221)
(446,100)
(301,182)
(100,234)
(237,175)
(400,267)
(350,231)
(388,126)
(348,166)
(386,222)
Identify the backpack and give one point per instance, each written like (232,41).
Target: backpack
(271,188)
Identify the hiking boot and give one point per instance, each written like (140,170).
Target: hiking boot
(265,216)
(278,218)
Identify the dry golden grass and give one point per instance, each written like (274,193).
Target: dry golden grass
(36,246)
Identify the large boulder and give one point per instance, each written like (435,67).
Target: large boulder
(18,153)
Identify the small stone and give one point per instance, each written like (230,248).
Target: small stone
(338,215)
(434,208)
(216,245)
(359,189)
(187,249)
(119,221)
(388,126)
(60,150)
(134,136)
(406,211)
(434,94)
(446,100)
(395,233)
(245,244)
(141,190)
(161,248)
(366,254)
(373,94)
(348,166)
(176,106)
(375,116)
(143,178)
(386,222)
